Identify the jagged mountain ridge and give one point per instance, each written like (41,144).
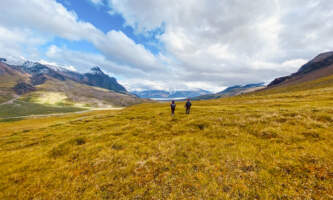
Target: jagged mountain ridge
(99,79)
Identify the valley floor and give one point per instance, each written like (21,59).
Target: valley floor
(17,109)
(258,146)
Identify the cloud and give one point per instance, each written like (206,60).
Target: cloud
(118,47)
(84,61)
(16,42)
(45,16)
(206,44)
(53,19)
(97,2)
(233,42)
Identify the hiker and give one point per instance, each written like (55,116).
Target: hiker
(173,108)
(188,106)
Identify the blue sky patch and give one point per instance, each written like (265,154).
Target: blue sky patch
(98,16)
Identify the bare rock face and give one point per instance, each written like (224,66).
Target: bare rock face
(96,77)
(38,79)
(23,88)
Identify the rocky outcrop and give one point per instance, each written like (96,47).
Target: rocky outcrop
(23,88)
(96,77)
(38,79)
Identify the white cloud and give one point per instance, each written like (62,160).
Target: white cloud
(222,42)
(96,2)
(205,44)
(84,61)
(16,42)
(118,47)
(52,51)
(52,18)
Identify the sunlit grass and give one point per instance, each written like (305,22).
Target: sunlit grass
(51,98)
(22,108)
(259,146)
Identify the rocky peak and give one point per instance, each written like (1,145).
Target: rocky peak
(96,77)
(29,64)
(22,88)
(96,70)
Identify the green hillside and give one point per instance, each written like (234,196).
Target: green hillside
(267,145)
(59,97)
(22,108)
(8,79)
(46,91)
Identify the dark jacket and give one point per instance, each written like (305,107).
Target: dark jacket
(188,105)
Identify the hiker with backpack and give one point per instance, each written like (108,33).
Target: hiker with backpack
(173,108)
(188,106)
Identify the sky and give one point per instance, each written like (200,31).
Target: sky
(170,44)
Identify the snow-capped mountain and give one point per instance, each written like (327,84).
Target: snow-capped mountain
(34,79)
(171,94)
(42,71)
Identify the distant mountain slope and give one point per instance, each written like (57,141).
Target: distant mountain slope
(8,80)
(96,77)
(166,94)
(233,91)
(319,67)
(152,94)
(189,94)
(34,81)
(78,93)
(9,75)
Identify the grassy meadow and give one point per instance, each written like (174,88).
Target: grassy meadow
(268,145)
(39,103)
(24,108)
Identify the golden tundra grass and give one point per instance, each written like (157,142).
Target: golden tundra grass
(260,146)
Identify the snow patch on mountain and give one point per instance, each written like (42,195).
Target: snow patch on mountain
(15,60)
(57,67)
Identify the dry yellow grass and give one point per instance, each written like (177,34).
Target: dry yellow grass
(259,146)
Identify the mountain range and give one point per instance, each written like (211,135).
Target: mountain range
(152,94)
(36,80)
(318,67)
(96,77)
(233,91)
(24,85)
